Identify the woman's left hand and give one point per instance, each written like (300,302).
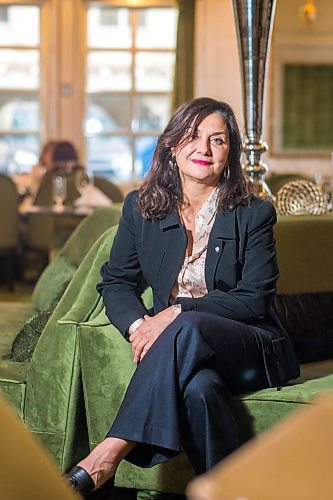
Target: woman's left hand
(150,329)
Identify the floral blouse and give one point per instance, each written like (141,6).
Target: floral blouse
(191,278)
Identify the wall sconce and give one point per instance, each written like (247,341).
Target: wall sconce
(308,11)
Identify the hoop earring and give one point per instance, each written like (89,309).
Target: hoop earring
(226,172)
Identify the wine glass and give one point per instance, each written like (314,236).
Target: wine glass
(59,191)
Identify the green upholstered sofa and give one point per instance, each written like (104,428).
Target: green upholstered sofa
(70,393)
(305,247)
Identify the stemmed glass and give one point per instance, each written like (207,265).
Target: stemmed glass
(59,191)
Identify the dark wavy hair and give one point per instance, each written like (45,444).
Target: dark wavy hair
(161,191)
(64,151)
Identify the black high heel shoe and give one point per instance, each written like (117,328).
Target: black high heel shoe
(82,482)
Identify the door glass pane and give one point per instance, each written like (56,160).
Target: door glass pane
(152,112)
(154,71)
(19,112)
(19,25)
(156,28)
(109,71)
(109,27)
(110,156)
(18,153)
(108,113)
(19,69)
(144,149)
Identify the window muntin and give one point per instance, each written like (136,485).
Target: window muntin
(154,71)
(19,69)
(151,33)
(108,27)
(109,71)
(151,112)
(19,112)
(130,74)
(112,156)
(108,113)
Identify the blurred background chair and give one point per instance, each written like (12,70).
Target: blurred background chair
(44,195)
(9,228)
(109,188)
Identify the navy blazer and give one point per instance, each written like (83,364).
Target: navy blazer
(241,273)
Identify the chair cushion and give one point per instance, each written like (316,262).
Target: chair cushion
(260,410)
(308,319)
(52,284)
(12,384)
(26,340)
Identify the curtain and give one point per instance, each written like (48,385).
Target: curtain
(184,68)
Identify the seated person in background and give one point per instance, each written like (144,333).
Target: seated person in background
(65,156)
(205,245)
(28,184)
(55,155)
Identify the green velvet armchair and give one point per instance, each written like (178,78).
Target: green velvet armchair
(106,360)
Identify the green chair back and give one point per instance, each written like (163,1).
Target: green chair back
(55,278)
(109,189)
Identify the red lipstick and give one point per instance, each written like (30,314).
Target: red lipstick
(202,162)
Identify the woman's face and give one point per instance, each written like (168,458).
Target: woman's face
(204,157)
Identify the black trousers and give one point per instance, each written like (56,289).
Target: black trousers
(180,396)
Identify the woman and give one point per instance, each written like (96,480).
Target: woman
(55,156)
(65,156)
(195,234)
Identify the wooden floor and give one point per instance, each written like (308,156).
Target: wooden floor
(21,293)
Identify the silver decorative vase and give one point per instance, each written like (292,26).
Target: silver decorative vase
(254,21)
